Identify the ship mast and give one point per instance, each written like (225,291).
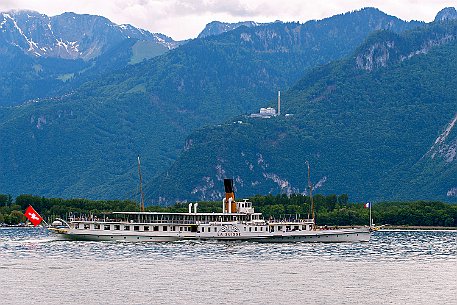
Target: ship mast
(310,185)
(141,185)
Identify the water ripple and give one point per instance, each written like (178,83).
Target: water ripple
(393,268)
(396,245)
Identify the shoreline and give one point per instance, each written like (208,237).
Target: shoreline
(416,228)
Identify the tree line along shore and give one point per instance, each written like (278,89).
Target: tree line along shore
(334,210)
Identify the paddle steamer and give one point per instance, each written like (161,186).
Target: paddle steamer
(237,221)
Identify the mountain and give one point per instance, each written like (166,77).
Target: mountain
(69,35)
(216,27)
(41,56)
(85,143)
(379,125)
(448,13)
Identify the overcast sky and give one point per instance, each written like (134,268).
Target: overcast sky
(183,19)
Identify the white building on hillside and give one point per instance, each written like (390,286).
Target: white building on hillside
(265,113)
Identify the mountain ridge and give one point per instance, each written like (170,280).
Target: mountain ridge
(215,28)
(42,56)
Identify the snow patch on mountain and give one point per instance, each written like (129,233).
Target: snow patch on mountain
(3,21)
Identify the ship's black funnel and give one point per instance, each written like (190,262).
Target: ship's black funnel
(228,184)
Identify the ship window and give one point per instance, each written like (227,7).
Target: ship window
(279,228)
(261,228)
(106,227)
(127,228)
(296,228)
(173,228)
(165,228)
(77,226)
(117,227)
(255,229)
(136,228)
(156,228)
(146,228)
(86,226)
(203,229)
(250,229)
(96,226)
(245,228)
(303,227)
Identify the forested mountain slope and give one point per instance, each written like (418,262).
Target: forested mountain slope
(378,125)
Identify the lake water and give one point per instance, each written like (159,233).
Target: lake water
(393,268)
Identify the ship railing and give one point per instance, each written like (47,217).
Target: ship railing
(292,220)
(110,220)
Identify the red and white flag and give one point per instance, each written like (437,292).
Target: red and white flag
(33,216)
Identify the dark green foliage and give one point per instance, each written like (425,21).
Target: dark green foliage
(5,200)
(418,213)
(58,207)
(329,212)
(329,209)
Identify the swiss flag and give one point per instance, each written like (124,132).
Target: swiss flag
(33,216)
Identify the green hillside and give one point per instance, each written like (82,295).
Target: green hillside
(85,143)
(367,125)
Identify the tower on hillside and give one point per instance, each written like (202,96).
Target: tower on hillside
(279,102)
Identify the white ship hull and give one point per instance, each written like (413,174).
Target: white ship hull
(313,236)
(326,236)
